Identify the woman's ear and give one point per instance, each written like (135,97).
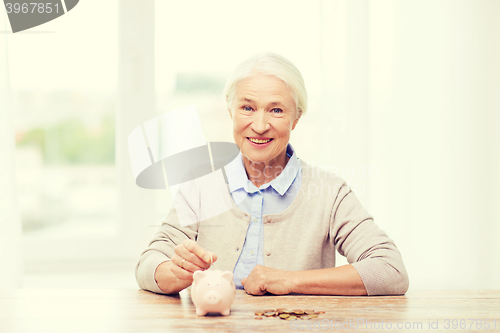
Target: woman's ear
(228,275)
(198,275)
(297,120)
(228,108)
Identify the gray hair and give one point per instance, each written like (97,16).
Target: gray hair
(269,63)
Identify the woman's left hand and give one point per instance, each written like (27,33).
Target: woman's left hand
(263,279)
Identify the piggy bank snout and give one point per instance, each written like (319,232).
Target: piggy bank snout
(213,297)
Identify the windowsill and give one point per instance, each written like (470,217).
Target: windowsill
(75,229)
(81,275)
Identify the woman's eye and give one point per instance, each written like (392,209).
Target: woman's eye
(247,108)
(276,110)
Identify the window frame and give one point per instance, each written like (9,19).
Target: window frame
(135,104)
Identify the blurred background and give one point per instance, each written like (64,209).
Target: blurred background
(404,103)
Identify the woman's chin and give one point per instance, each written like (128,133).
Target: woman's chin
(256,157)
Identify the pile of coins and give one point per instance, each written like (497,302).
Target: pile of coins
(286,314)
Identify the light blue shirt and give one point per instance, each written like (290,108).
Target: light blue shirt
(270,198)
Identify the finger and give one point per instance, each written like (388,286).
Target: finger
(185,264)
(254,289)
(203,254)
(214,257)
(189,266)
(208,258)
(260,292)
(251,284)
(181,274)
(184,253)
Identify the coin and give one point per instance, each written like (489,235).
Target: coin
(287,314)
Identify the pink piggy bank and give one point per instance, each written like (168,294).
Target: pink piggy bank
(213,291)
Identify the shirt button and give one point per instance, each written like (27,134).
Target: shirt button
(255,219)
(237,249)
(268,254)
(251,253)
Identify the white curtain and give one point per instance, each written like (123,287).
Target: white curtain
(10,225)
(412,89)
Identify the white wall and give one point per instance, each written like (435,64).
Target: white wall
(434,120)
(409,115)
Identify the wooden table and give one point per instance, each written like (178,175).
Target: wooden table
(111,311)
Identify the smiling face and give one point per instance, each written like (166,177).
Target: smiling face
(264,114)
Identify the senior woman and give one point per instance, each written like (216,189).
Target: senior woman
(287,217)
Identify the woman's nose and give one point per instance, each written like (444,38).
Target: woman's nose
(260,123)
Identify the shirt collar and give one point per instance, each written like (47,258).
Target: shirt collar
(236,174)
(237,177)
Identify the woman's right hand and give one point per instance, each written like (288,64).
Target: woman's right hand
(176,274)
(190,257)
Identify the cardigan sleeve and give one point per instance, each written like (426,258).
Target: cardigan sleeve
(367,247)
(166,238)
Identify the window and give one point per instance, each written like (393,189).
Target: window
(64,100)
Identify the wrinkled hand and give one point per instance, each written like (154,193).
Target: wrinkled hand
(263,279)
(190,257)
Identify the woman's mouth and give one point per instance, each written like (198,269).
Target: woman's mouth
(260,142)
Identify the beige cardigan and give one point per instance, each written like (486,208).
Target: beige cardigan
(325,215)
